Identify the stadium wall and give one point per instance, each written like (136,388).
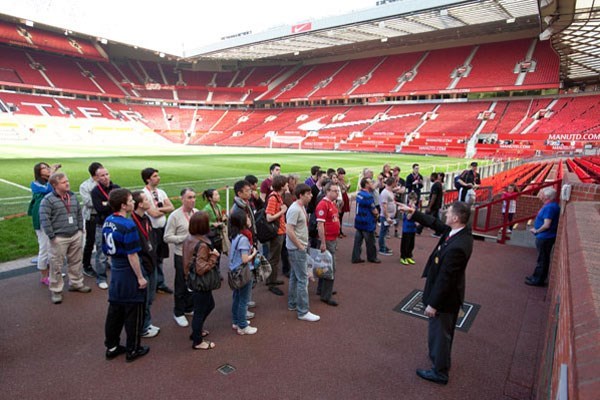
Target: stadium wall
(570,360)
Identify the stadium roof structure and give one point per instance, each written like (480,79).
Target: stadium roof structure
(393,24)
(579,43)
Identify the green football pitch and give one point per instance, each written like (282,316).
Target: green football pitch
(180,166)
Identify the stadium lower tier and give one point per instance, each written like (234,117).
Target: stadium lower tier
(482,129)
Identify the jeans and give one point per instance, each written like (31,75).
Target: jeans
(369,242)
(298,292)
(204,303)
(183,297)
(544,248)
(325,286)
(383,231)
(240,305)
(150,295)
(101,263)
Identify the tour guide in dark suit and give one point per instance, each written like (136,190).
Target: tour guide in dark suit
(445,285)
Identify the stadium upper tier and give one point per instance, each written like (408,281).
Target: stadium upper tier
(515,65)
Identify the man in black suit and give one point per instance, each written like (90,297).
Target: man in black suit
(445,285)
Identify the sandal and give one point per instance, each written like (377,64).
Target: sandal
(204,345)
(205,333)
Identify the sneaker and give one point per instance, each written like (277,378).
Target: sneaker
(249,315)
(56,297)
(410,260)
(181,321)
(291,308)
(114,352)
(251,304)
(103,285)
(386,252)
(81,289)
(89,272)
(310,317)
(137,353)
(150,333)
(235,327)
(45,281)
(189,313)
(249,330)
(403,261)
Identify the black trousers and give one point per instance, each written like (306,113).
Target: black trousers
(325,286)
(183,297)
(407,245)
(440,337)
(90,239)
(285,259)
(542,267)
(204,303)
(130,316)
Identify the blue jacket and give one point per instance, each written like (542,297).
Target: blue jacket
(365,204)
(408,225)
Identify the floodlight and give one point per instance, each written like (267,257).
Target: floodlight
(29,23)
(384,39)
(161,55)
(511,20)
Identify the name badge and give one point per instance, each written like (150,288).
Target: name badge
(436,260)
(70,219)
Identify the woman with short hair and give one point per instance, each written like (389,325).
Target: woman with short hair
(206,259)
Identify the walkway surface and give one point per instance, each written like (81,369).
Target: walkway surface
(359,350)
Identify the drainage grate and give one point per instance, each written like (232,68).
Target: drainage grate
(226,369)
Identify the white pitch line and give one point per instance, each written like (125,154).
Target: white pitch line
(15,184)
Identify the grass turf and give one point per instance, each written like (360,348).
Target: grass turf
(199,171)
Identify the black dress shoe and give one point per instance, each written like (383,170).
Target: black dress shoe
(275,290)
(532,282)
(375,261)
(330,302)
(164,289)
(137,353)
(431,375)
(114,353)
(359,261)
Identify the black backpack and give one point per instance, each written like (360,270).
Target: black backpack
(313,231)
(462,176)
(265,231)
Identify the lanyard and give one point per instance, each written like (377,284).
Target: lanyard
(103,191)
(67,202)
(143,229)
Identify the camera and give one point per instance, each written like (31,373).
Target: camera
(159,204)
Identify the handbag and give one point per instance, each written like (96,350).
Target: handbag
(262,268)
(211,280)
(241,276)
